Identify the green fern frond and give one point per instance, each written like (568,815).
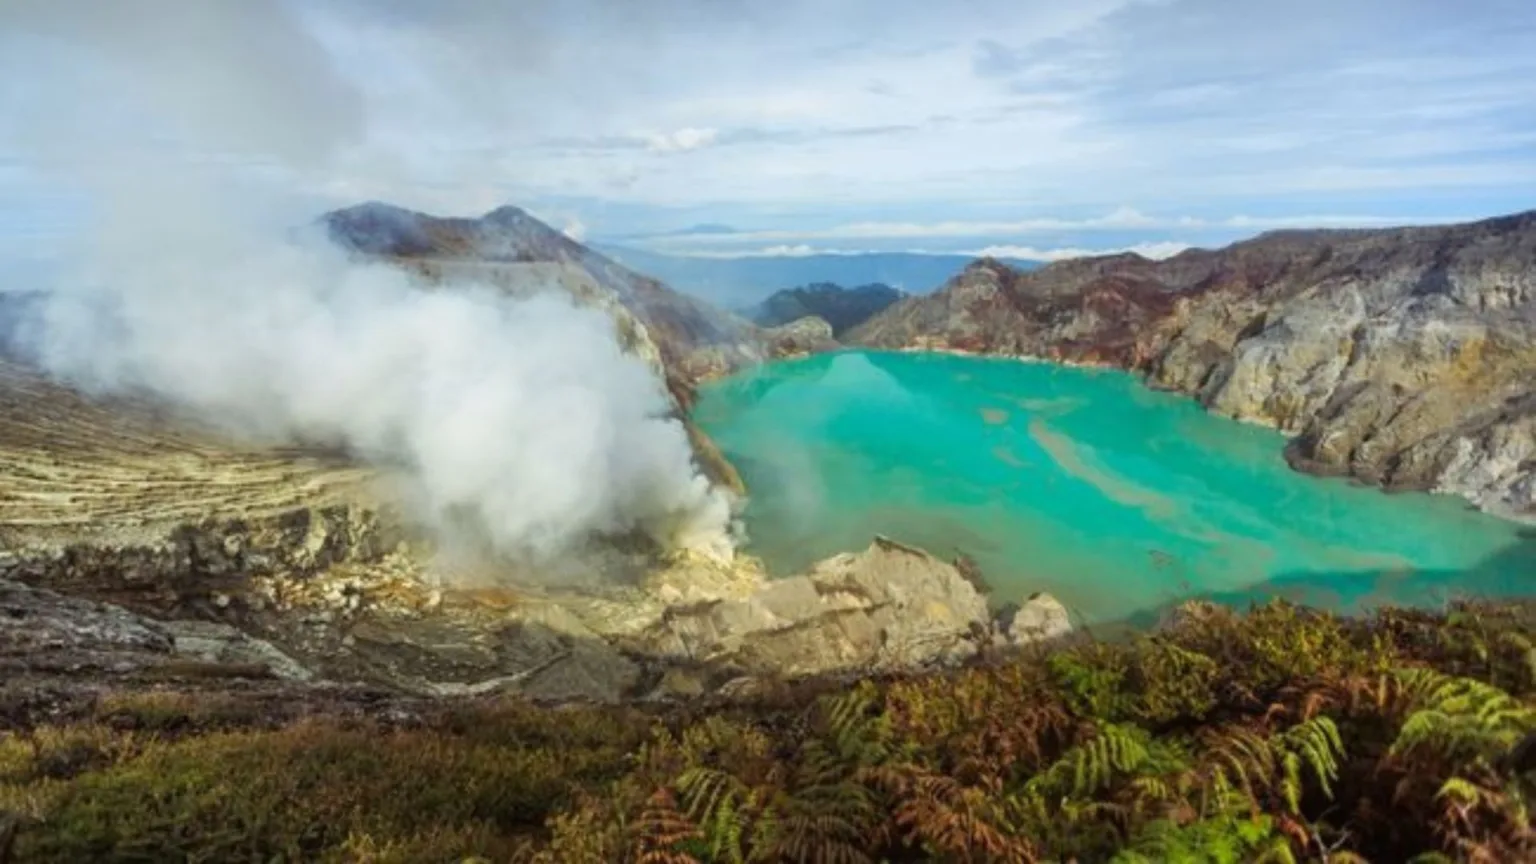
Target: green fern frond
(1459,719)
(1462,792)
(1116,749)
(1317,743)
(1221,840)
(713,800)
(1246,761)
(859,735)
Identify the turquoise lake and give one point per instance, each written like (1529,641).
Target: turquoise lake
(1115,498)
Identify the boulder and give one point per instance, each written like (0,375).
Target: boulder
(46,635)
(472,654)
(1038,619)
(888,607)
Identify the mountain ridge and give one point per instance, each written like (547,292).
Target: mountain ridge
(684,327)
(842,308)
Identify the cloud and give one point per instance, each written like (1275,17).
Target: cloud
(801,250)
(685,140)
(993,60)
(165,52)
(519,423)
(808,116)
(1119,219)
(682,140)
(1156,251)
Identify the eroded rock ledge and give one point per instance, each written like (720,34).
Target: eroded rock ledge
(693,627)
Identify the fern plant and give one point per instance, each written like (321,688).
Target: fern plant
(1270,768)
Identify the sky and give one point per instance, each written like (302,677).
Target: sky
(725,127)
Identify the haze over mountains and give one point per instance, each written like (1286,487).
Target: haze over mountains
(740,282)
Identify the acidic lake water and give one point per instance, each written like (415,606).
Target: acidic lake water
(1115,498)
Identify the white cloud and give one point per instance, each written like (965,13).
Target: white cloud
(1196,106)
(1120,219)
(801,250)
(681,140)
(1155,251)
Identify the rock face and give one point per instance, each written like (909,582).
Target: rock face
(47,636)
(888,607)
(1402,357)
(842,308)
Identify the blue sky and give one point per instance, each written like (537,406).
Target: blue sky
(1031,128)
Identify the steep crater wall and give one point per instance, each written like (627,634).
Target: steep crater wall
(1400,357)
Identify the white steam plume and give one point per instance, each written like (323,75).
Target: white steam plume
(522,417)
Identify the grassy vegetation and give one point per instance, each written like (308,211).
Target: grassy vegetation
(1275,735)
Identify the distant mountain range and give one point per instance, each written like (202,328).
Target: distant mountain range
(740,283)
(843,308)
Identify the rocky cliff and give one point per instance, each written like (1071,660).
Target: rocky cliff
(1403,357)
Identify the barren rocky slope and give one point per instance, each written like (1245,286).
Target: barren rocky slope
(1403,357)
(693,339)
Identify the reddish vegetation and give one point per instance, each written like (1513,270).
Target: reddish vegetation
(1280,735)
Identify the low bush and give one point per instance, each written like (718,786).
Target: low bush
(1279,734)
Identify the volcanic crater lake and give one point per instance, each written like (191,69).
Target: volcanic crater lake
(1115,498)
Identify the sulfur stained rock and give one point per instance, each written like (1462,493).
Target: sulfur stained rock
(1040,618)
(888,607)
